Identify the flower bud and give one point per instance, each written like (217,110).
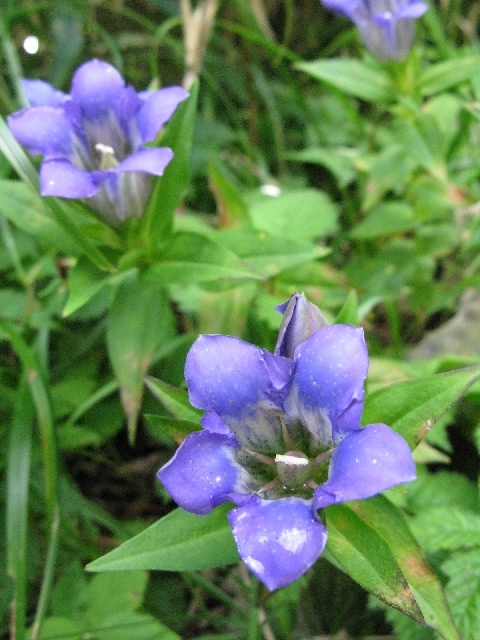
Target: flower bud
(301,319)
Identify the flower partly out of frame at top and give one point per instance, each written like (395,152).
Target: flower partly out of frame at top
(386,26)
(93,139)
(282,439)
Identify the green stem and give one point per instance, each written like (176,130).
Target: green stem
(253,622)
(13,64)
(130,14)
(394,322)
(7,104)
(17,157)
(435,25)
(18,473)
(204,613)
(41,401)
(11,247)
(215,591)
(158,39)
(48,573)
(44,414)
(403,75)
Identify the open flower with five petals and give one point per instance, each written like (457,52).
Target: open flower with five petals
(386,26)
(282,439)
(93,139)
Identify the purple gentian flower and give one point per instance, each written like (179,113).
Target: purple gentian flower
(93,139)
(386,26)
(281,439)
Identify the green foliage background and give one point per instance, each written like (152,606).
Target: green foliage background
(301,164)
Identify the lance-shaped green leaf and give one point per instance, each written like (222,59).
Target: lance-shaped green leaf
(301,215)
(447,528)
(157,221)
(191,257)
(386,219)
(445,75)
(232,209)
(362,553)
(268,254)
(180,541)
(139,321)
(67,217)
(227,311)
(85,281)
(107,594)
(65,226)
(348,314)
(26,209)
(177,430)
(340,161)
(388,521)
(352,77)
(463,589)
(411,408)
(173,399)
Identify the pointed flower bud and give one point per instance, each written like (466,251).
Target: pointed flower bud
(301,319)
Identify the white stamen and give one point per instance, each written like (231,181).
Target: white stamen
(291,460)
(104,149)
(107,156)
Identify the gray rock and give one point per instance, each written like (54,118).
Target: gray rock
(458,336)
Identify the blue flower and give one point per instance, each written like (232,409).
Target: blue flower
(386,26)
(281,439)
(93,139)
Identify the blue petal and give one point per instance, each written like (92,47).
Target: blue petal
(327,391)
(43,130)
(280,369)
(58,177)
(149,160)
(279,540)
(203,472)
(128,109)
(404,10)
(157,110)
(386,27)
(97,87)
(121,195)
(232,378)
(344,7)
(366,462)
(212,422)
(39,93)
(387,40)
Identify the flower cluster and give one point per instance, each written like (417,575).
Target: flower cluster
(282,439)
(93,139)
(386,26)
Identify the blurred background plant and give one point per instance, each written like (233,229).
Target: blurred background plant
(312,167)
